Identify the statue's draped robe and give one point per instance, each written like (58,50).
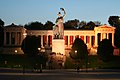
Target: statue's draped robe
(58,30)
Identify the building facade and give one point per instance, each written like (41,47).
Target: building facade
(13,36)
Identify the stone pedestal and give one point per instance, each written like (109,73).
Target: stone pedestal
(58,46)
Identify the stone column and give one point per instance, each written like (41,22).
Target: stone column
(10,38)
(41,40)
(22,35)
(90,41)
(104,36)
(107,35)
(101,36)
(16,39)
(85,39)
(4,38)
(47,40)
(20,38)
(113,39)
(73,38)
(96,40)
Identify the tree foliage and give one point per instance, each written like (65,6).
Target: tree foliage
(91,25)
(71,24)
(115,22)
(105,50)
(1,23)
(1,36)
(68,25)
(79,50)
(39,26)
(48,25)
(34,26)
(30,45)
(76,24)
(1,32)
(82,24)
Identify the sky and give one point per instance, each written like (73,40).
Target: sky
(22,12)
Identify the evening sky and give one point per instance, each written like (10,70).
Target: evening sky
(25,11)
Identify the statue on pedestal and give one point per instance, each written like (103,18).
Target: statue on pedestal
(58,28)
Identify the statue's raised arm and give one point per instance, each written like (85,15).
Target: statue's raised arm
(63,11)
(60,16)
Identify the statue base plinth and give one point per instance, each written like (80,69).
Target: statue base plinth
(58,46)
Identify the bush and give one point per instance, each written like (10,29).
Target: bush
(69,64)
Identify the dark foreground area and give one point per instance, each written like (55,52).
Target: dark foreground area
(60,74)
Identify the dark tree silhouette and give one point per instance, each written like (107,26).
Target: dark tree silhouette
(1,23)
(39,26)
(35,26)
(82,24)
(30,47)
(68,25)
(90,25)
(105,50)
(115,22)
(1,36)
(97,23)
(76,24)
(48,25)
(1,33)
(79,51)
(71,24)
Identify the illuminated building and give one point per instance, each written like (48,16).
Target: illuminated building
(13,36)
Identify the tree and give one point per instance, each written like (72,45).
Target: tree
(90,25)
(97,23)
(79,52)
(1,32)
(34,26)
(1,23)
(30,47)
(1,36)
(105,50)
(27,45)
(48,25)
(82,24)
(71,24)
(115,22)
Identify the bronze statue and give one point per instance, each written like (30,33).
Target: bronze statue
(58,28)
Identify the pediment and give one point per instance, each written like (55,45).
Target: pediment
(106,26)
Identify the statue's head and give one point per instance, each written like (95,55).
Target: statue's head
(59,14)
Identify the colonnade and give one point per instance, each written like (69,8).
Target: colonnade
(103,36)
(90,40)
(69,39)
(13,38)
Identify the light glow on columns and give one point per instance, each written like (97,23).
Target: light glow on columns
(16,51)
(75,51)
(39,49)
(24,34)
